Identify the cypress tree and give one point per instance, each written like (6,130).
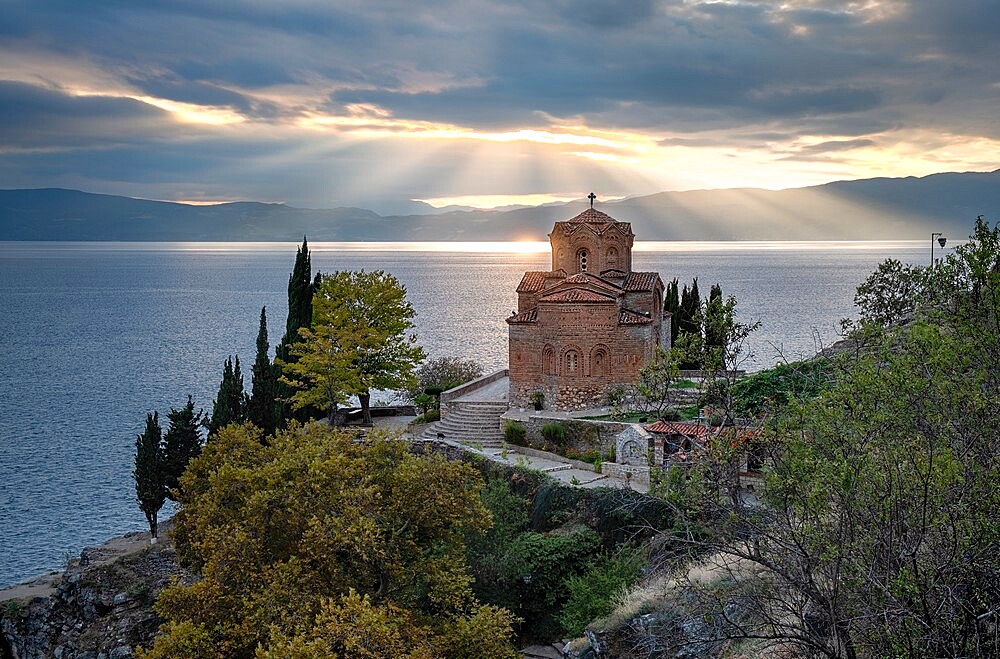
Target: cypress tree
(149,473)
(672,304)
(181,443)
(260,409)
(230,403)
(714,329)
(301,287)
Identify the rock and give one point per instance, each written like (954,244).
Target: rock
(120,652)
(121,599)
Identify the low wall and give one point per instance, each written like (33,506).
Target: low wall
(467,388)
(583,434)
(615,470)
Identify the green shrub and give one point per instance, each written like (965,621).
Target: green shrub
(591,455)
(777,386)
(671,414)
(555,433)
(572,454)
(514,433)
(591,593)
(429,417)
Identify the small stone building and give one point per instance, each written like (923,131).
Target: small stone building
(590,323)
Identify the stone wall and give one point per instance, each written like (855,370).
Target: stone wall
(467,388)
(609,355)
(637,473)
(583,434)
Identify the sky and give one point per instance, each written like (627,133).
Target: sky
(321,103)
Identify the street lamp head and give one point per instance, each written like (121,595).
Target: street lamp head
(942,240)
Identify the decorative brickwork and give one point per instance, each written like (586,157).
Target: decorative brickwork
(588,325)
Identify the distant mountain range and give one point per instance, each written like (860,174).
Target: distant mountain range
(869,209)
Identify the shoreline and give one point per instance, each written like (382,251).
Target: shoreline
(45,585)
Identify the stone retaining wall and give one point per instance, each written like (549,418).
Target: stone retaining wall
(616,470)
(583,434)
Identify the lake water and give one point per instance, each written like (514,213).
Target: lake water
(95,335)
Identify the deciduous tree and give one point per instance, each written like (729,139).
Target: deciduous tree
(360,341)
(317,545)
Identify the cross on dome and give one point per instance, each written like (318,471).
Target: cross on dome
(591,197)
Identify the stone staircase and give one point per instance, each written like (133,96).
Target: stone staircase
(476,423)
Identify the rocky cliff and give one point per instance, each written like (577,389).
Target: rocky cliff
(100,608)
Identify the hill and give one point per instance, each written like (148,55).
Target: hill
(869,209)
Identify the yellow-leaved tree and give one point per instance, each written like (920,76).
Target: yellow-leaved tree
(317,545)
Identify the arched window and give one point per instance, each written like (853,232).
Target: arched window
(599,361)
(572,361)
(581,257)
(612,258)
(548,360)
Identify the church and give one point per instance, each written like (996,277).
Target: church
(589,324)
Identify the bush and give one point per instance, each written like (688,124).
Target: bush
(572,454)
(591,593)
(591,456)
(430,417)
(555,433)
(671,414)
(514,433)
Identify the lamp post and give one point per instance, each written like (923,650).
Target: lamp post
(941,240)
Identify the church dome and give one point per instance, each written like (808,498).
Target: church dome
(593,216)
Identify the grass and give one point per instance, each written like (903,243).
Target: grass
(687,413)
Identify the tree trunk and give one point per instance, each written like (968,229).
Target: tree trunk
(366,410)
(151,518)
(331,416)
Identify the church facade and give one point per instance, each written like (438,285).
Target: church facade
(590,323)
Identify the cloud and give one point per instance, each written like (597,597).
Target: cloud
(246,87)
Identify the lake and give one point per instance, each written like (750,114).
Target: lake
(97,334)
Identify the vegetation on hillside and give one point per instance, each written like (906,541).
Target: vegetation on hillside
(318,545)
(877,535)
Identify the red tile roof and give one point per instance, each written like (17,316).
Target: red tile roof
(529,316)
(640,281)
(587,278)
(532,282)
(626,317)
(675,428)
(593,216)
(577,295)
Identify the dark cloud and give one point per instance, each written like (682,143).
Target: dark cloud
(706,73)
(33,117)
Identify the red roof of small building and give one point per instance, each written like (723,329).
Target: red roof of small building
(640,281)
(674,428)
(593,216)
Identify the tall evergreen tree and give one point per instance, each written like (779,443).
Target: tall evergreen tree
(260,409)
(715,330)
(301,288)
(672,303)
(230,403)
(689,325)
(181,443)
(149,473)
